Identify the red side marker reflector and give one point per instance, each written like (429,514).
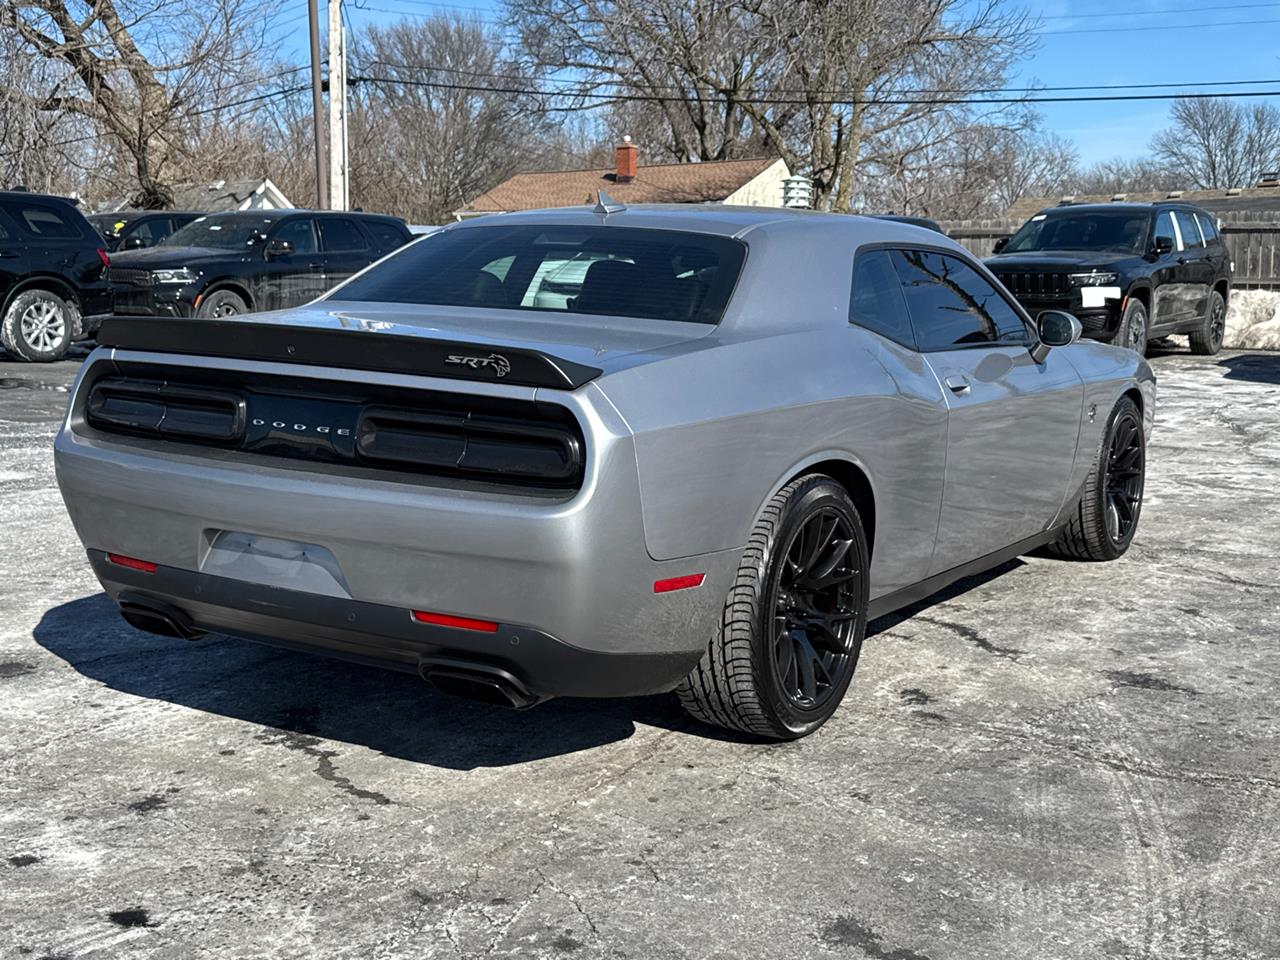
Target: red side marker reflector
(686,582)
(120,560)
(102,255)
(460,623)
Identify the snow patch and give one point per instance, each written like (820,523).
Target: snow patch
(1253,320)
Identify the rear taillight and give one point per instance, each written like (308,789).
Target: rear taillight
(102,255)
(133,563)
(459,623)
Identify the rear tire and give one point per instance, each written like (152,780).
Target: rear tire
(1133,328)
(1103,523)
(1206,340)
(788,640)
(38,326)
(222,303)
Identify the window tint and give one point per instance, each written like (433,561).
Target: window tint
(301,233)
(384,234)
(614,271)
(877,303)
(1119,230)
(1207,227)
(1164,230)
(45,221)
(338,234)
(152,231)
(952,305)
(1190,232)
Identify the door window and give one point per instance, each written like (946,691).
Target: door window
(301,233)
(1165,231)
(384,234)
(45,222)
(876,302)
(1191,239)
(338,234)
(152,231)
(952,305)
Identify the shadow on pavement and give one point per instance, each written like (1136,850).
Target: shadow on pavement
(394,713)
(1260,367)
(963,585)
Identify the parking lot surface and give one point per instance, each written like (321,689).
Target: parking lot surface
(1053,760)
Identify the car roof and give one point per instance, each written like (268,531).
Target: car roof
(134,214)
(722,220)
(1133,206)
(31,195)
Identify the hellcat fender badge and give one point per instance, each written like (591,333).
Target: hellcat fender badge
(496,362)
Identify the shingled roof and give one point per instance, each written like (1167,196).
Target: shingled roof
(706,182)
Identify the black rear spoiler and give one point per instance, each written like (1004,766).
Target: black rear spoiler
(353,349)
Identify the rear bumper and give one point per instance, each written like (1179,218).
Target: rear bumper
(568,574)
(387,636)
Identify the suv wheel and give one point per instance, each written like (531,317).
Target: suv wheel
(1102,524)
(38,326)
(222,303)
(1133,328)
(788,640)
(1206,339)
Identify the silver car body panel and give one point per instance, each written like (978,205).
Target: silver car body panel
(689,430)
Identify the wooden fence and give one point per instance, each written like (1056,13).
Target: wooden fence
(1254,245)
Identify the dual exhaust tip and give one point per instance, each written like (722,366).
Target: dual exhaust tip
(480,682)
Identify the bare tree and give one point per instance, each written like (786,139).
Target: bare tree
(1215,143)
(38,149)
(143,71)
(1141,175)
(818,82)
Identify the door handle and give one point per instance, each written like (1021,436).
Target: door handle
(6,255)
(315,266)
(957,385)
(1182,260)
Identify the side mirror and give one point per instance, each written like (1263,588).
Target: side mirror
(134,243)
(1057,328)
(1000,244)
(278,248)
(1163,245)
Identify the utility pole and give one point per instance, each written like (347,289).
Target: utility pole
(317,107)
(339,193)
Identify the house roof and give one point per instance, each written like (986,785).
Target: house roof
(1263,199)
(706,182)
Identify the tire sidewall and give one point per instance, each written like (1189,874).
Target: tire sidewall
(1115,549)
(209,305)
(822,492)
(12,326)
(1126,327)
(1215,303)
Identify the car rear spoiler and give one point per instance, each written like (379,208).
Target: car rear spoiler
(352,349)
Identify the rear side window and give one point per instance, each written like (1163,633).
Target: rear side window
(1190,232)
(1207,227)
(386,236)
(606,270)
(45,222)
(338,234)
(952,305)
(876,303)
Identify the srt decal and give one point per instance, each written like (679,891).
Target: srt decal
(495,361)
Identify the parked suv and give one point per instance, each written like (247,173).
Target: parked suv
(229,263)
(1130,272)
(53,276)
(134,229)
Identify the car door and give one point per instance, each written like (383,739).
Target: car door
(13,256)
(294,278)
(1195,267)
(1012,424)
(1166,299)
(346,249)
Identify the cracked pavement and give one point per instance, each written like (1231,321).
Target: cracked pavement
(1052,760)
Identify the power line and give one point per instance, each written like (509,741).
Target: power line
(1132,13)
(1169,26)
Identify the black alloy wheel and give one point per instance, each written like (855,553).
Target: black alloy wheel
(1122,486)
(1207,339)
(816,609)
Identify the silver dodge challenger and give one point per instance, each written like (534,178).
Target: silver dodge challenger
(604,452)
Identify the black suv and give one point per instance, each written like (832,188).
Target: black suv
(134,229)
(229,263)
(53,276)
(1130,272)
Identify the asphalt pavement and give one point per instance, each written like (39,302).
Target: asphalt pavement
(1054,760)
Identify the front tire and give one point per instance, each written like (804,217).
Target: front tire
(222,303)
(788,640)
(1103,523)
(38,326)
(1206,340)
(1133,327)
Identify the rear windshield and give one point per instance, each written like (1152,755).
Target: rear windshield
(1121,231)
(614,271)
(232,231)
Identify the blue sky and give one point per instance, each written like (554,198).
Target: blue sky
(1084,42)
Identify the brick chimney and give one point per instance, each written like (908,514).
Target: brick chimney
(628,157)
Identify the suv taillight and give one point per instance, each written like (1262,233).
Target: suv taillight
(102,255)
